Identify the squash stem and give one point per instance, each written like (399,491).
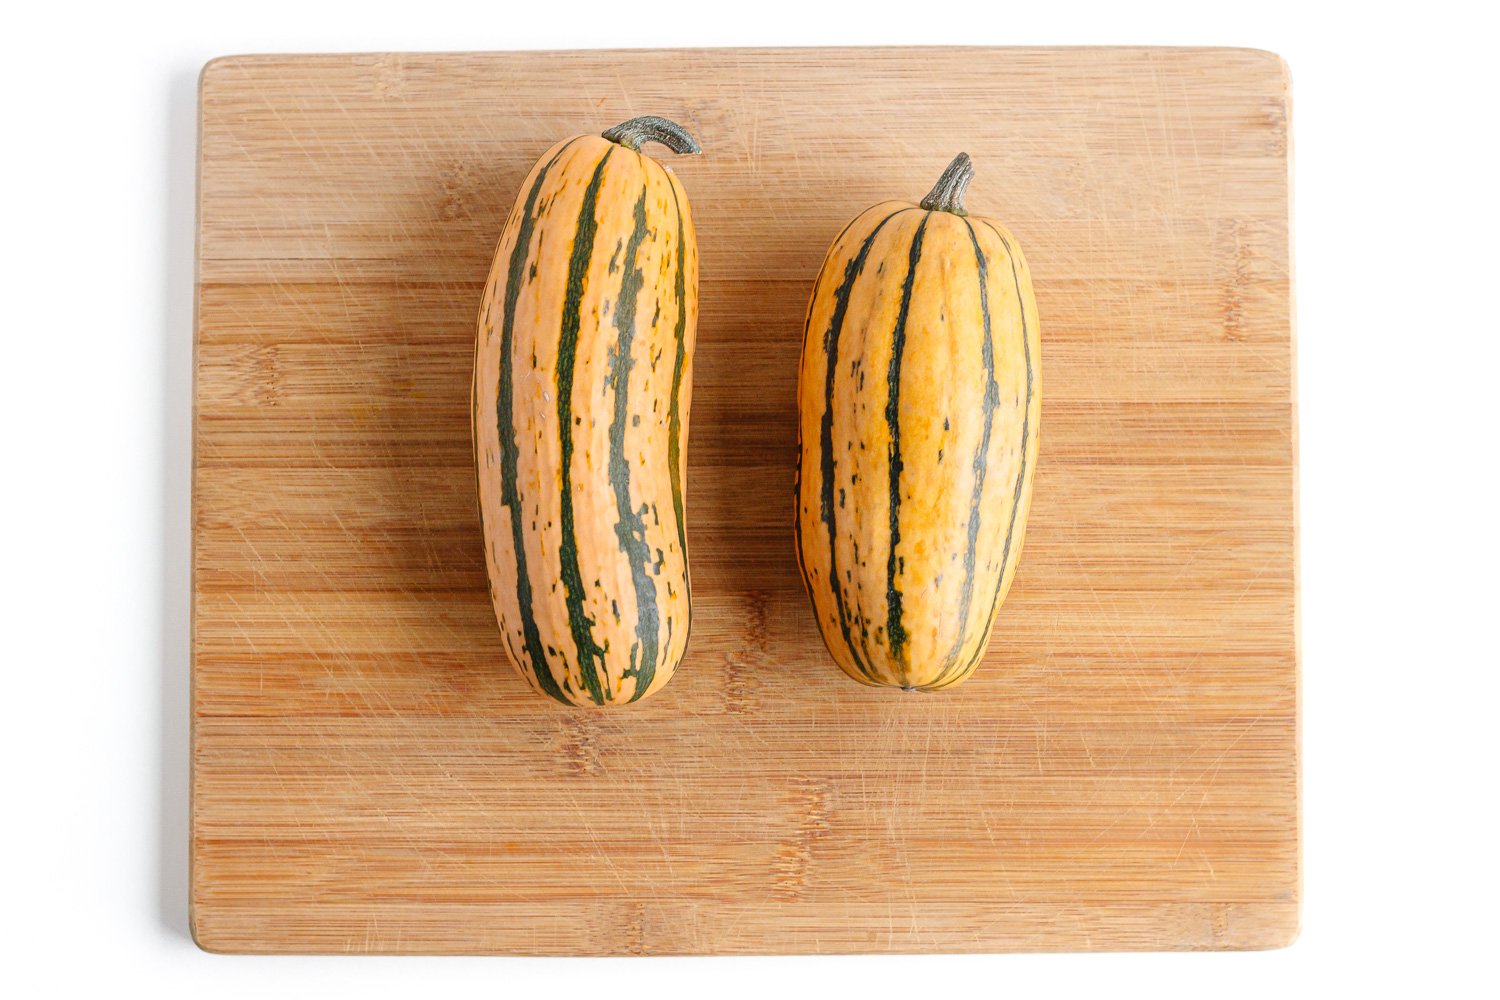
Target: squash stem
(653,128)
(947,195)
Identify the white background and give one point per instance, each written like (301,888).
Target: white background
(1396,259)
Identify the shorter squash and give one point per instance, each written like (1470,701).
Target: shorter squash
(919,404)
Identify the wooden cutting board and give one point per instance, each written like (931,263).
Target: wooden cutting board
(371,774)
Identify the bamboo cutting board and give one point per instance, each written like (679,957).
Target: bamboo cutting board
(371,774)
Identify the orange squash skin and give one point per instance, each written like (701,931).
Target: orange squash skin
(581,395)
(919,404)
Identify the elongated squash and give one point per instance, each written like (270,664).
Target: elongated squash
(582,386)
(919,399)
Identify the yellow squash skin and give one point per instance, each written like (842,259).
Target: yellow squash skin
(920,383)
(582,387)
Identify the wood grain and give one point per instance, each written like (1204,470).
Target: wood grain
(370,774)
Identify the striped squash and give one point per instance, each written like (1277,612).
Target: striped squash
(582,384)
(919,397)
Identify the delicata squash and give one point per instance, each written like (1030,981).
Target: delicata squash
(582,385)
(919,400)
